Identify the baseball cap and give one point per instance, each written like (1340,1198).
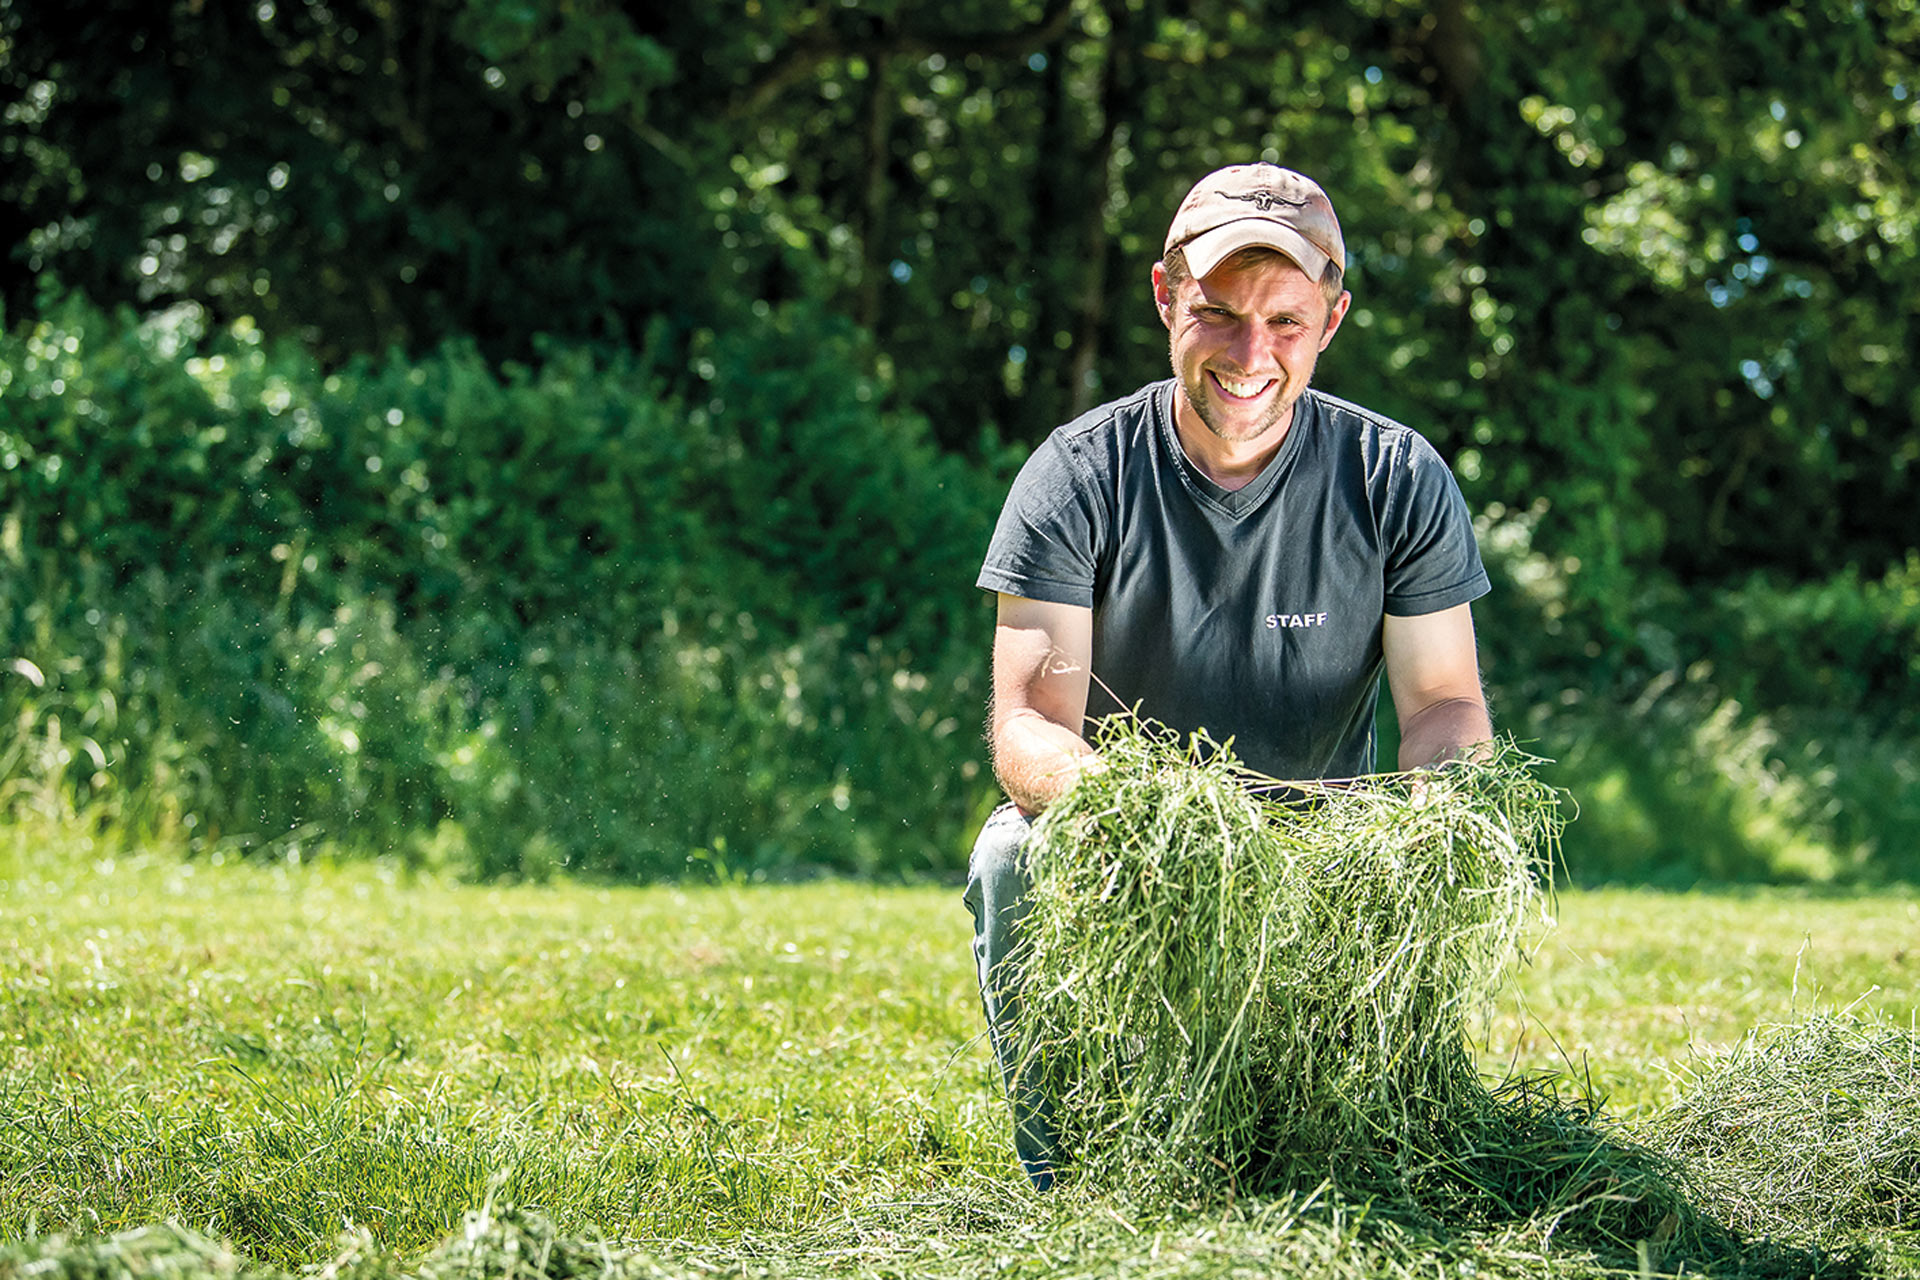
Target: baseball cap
(1257,204)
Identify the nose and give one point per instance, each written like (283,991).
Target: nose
(1254,347)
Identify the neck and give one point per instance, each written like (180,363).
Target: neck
(1231,464)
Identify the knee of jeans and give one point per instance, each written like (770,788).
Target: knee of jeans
(996,873)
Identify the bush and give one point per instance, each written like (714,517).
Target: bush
(1680,787)
(601,614)
(557,617)
(1759,731)
(1846,645)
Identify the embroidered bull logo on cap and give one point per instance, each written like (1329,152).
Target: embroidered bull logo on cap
(1263,200)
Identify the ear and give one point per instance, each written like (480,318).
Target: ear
(1162,294)
(1335,316)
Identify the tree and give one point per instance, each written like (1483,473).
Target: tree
(1643,273)
(363,174)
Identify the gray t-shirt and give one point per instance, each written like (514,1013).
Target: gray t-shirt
(1252,613)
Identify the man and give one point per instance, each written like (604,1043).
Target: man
(1227,550)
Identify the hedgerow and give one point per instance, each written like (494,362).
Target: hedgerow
(584,615)
(619,610)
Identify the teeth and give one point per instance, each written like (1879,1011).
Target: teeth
(1242,390)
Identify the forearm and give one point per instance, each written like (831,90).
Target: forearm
(1037,759)
(1444,731)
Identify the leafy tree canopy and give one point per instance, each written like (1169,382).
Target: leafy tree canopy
(1646,272)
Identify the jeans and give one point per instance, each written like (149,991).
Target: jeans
(996,895)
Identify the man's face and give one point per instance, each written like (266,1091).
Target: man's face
(1244,340)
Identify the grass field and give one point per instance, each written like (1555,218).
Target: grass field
(731,1080)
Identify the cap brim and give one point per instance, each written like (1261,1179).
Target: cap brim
(1210,248)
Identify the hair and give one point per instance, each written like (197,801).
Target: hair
(1332,280)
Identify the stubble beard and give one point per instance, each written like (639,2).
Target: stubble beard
(1285,396)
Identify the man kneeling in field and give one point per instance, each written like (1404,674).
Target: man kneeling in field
(1224,549)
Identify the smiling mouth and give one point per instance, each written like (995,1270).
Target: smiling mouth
(1236,389)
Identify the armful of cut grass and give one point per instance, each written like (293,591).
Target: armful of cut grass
(1240,977)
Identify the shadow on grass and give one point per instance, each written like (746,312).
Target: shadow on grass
(1529,1176)
(1552,1167)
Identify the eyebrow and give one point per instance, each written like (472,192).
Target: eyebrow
(1204,303)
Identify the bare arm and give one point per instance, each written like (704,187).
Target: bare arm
(1433,673)
(1042,656)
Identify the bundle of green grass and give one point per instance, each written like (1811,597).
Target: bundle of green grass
(1808,1132)
(1235,983)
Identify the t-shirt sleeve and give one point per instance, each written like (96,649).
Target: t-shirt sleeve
(1432,560)
(1045,544)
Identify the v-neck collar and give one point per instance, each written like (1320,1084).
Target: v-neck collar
(1234,502)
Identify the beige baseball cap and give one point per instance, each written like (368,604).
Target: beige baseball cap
(1257,204)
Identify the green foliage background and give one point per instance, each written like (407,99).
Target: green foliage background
(556,617)
(558,433)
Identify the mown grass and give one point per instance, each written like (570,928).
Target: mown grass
(780,1079)
(1243,992)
